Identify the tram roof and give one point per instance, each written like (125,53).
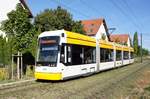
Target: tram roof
(80,39)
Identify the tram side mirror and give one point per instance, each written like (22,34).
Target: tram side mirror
(69,59)
(59,47)
(69,54)
(62,59)
(81,55)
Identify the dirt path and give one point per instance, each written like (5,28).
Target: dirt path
(113,84)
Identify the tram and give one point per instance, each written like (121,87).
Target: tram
(63,54)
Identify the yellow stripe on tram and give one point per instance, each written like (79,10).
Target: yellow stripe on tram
(48,76)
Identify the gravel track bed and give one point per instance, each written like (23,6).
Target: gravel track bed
(112,84)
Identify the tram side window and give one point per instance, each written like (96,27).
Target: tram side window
(89,55)
(125,55)
(77,55)
(106,55)
(132,55)
(118,55)
(66,58)
(111,56)
(94,55)
(62,54)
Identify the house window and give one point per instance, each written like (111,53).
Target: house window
(103,36)
(92,24)
(91,30)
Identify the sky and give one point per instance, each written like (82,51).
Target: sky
(127,16)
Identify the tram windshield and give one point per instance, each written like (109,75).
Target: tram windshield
(48,49)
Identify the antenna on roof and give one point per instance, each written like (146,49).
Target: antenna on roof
(111,30)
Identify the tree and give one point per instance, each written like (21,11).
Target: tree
(77,27)
(145,51)
(57,19)
(4,51)
(17,28)
(2,56)
(20,33)
(135,43)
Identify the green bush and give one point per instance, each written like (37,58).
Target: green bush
(147,88)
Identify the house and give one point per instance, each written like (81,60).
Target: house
(123,39)
(96,28)
(7,6)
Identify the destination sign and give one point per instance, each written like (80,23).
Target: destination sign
(48,41)
(49,48)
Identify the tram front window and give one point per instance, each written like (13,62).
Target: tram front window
(48,51)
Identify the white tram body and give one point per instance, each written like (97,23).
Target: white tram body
(62,55)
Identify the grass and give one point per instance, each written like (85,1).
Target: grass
(142,88)
(147,88)
(3,73)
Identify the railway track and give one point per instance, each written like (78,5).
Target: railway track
(9,87)
(102,85)
(21,85)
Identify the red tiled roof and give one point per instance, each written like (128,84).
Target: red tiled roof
(119,38)
(25,5)
(91,27)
